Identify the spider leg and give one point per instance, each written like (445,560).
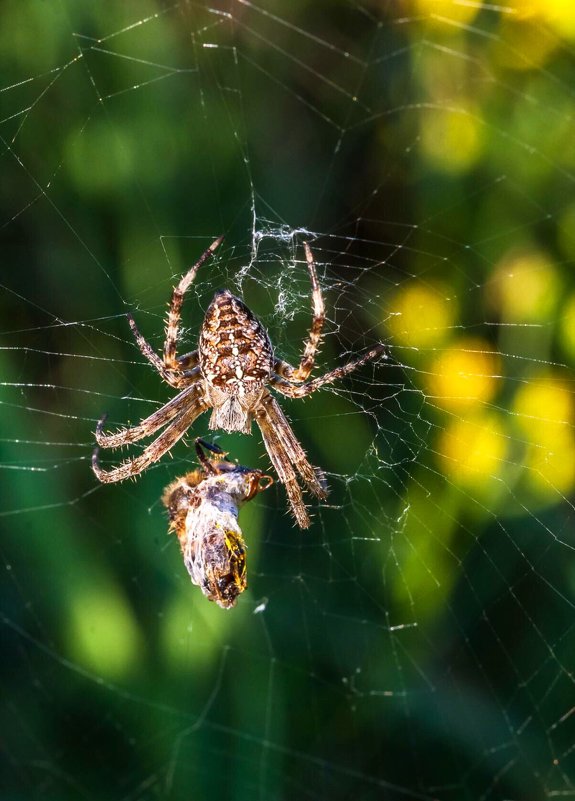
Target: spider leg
(282,465)
(147,427)
(313,476)
(170,376)
(301,390)
(167,439)
(173,322)
(302,372)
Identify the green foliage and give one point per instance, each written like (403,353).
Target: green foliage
(417,642)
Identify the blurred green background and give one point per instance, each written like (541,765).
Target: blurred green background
(418,641)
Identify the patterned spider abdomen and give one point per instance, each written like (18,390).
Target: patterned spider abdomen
(236,360)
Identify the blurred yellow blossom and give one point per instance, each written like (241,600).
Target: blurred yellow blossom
(552,471)
(464,375)
(444,12)
(451,138)
(473,450)
(422,315)
(544,409)
(525,286)
(558,14)
(544,415)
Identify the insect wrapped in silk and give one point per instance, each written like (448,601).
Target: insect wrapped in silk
(203,508)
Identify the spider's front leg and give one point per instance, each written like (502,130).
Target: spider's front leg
(174,371)
(174,312)
(178,377)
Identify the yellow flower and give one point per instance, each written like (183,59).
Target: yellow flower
(525,286)
(473,450)
(544,410)
(443,12)
(552,472)
(464,375)
(451,139)
(421,315)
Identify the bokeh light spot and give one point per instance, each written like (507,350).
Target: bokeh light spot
(451,140)
(472,450)
(422,316)
(558,14)
(444,12)
(525,286)
(464,375)
(552,471)
(102,632)
(544,410)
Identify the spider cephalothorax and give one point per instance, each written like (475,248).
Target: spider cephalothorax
(230,374)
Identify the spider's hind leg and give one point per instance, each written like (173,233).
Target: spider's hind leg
(314,477)
(286,454)
(281,462)
(170,376)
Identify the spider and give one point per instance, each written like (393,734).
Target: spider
(230,373)
(203,507)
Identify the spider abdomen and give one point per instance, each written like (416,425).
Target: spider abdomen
(234,346)
(236,360)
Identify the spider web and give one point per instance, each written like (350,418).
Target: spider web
(418,641)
